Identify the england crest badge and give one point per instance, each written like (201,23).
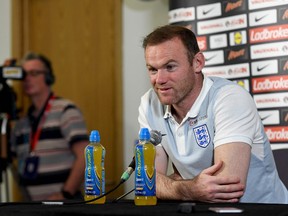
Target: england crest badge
(202,135)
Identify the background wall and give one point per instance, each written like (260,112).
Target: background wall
(5,30)
(139,18)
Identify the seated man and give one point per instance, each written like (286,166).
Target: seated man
(215,138)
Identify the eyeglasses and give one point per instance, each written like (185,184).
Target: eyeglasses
(34,73)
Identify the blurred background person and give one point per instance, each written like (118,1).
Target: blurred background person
(49,141)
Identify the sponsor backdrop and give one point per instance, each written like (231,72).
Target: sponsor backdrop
(245,41)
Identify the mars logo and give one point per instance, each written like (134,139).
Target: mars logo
(202,43)
(233,5)
(237,55)
(285,67)
(285,15)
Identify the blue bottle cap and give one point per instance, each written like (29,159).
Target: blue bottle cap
(94,136)
(144,134)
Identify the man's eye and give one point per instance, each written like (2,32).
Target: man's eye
(170,67)
(152,70)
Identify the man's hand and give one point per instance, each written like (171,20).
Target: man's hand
(206,187)
(210,188)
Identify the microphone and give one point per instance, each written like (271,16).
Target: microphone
(155,139)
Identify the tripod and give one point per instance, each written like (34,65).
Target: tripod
(4,155)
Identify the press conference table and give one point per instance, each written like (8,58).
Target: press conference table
(127,207)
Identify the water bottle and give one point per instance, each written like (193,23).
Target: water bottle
(94,169)
(145,173)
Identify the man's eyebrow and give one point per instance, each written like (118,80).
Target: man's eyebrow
(162,65)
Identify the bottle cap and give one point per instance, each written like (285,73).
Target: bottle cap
(94,136)
(144,134)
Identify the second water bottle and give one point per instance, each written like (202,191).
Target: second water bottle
(145,173)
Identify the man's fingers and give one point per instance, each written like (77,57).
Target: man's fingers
(213,169)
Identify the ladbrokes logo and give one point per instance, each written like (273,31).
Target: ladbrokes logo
(277,134)
(269,84)
(271,33)
(233,5)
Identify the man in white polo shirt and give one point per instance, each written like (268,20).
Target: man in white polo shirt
(215,138)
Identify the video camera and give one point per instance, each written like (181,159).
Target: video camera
(8,109)
(11,72)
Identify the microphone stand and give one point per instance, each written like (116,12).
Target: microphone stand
(3,156)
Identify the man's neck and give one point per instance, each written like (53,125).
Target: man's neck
(39,101)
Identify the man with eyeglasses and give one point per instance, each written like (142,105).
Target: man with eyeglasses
(49,141)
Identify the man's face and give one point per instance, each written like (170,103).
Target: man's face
(171,74)
(34,82)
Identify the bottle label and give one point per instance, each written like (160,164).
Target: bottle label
(94,184)
(145,176)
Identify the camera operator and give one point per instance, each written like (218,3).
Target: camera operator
(49,141)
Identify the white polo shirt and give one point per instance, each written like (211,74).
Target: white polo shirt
(224,112)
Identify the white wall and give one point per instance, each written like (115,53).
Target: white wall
(5,30)
(139,18)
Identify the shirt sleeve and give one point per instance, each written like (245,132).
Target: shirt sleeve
(73,125)
(236,116)
(143,111)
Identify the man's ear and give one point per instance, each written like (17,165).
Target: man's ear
(198,62)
